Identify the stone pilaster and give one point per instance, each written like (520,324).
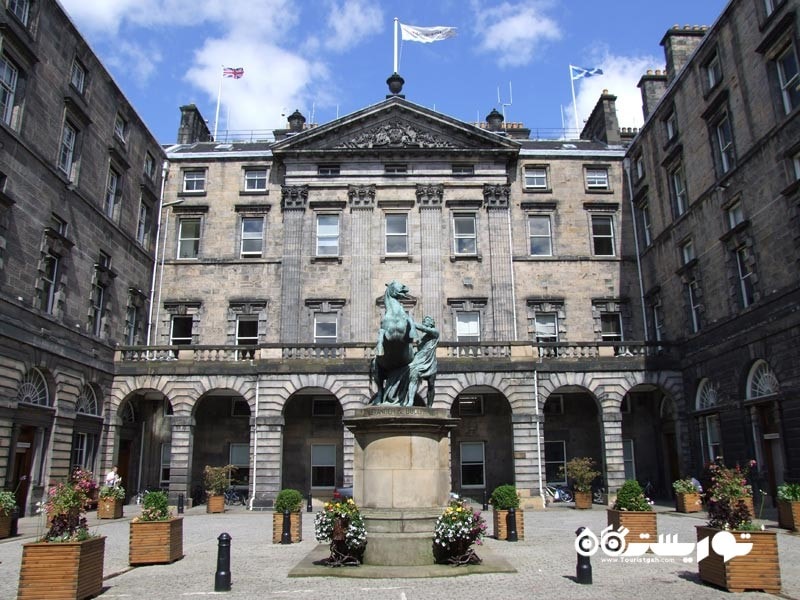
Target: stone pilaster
(612,442)
(528,457)
(180,462)
(429,200)
(293,203)
(267,440)
(362,204)
(502,304)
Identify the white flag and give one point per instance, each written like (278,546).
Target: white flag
(426,35)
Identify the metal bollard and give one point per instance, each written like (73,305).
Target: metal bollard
(14,522)
(511,525)
(308,505)
(583,570)
(286,536)
(180,504)
(222,578)
(485,501)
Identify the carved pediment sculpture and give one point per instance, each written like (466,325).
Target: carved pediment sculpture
(395,134)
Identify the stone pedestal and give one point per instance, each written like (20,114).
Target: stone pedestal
(401,479)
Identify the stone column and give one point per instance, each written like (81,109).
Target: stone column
(429,200)
(267,445)
(362,203)
(180,461)
(293,203)
(612,444)
(528,457)
(502,303)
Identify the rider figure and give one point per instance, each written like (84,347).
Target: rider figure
(423,365)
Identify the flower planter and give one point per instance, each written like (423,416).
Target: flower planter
(109,508)
(67,570)
(637,521)
(155,542)
(758,570)
(687,502)
(583,500)
(5,525)
(789,514)
(216,504)
(295,527)
(501,524)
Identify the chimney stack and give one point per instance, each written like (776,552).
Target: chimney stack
(652,85)
(193,127)
(602,124)
(679,43)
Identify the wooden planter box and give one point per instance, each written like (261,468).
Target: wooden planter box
(583,500)
(156,542)
(215,504)
(687,502)
(5,525)
(789,515)
(109,508)
(500,524)
(637,521)
(758,570)
(295,527)
(66,570)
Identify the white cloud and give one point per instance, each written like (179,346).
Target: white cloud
(620,76)
(139,61)
(351,22)
(514,32)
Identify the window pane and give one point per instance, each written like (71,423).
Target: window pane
(247,331)
(396,234)
(181,330)
(240,454)
(546,327)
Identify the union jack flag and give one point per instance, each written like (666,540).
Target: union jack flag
(235,72)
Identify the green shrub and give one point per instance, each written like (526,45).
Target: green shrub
(504,497)
(7,502)
(288,499)
(117,492)
(581,471)
(631,497)
(789,492)
(685,486)
(217,479)
(155,507)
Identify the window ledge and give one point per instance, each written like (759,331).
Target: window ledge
(263,192)
(466,257)
(326,259)
(537,190)
(791,188)
(189,194)
(598,191)
(397,258)
(739,227)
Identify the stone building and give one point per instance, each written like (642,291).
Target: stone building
(715,173)
(80,179)
(275,262)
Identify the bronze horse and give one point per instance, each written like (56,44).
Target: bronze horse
(395,349)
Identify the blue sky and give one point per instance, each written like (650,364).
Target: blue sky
(332,57)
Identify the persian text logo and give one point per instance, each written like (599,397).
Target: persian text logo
(613,543)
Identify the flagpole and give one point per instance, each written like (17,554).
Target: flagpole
(219,95)
(574,103)
(395,45)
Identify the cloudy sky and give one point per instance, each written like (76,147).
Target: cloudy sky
(329,58)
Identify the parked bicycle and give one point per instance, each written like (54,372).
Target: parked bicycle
(234,496)
(558,493)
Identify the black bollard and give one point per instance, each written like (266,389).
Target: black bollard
(308,505)
(485,501)
(511,525)
(180,504)
(14,522)
(583,570)
(222,578)
(286,536)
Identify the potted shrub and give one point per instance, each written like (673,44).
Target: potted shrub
(727,513)
(110,502)
(503,499)
(456,530)
(687,495)
(67,551)
(341,524)
(789,506)
(8,502)
(156,537)
(582,472)
(634,511)
(291,501)
(217,480)
(84,480)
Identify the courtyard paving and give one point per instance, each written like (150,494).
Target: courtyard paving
(544,563)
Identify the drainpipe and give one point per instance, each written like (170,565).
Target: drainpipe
(511,265)
(255,447)
(626,164)
(164,173)
(538,435)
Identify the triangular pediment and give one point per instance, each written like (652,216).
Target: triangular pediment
(395,125)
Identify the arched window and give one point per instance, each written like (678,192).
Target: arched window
(761,381)
(87,401)
(33,389)
(126,414)
(707,396)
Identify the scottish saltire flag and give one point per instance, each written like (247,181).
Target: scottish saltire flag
(426,35)
(580,72)
(235,72)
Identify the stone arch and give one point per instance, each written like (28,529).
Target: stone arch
(761,381)
(449,387)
